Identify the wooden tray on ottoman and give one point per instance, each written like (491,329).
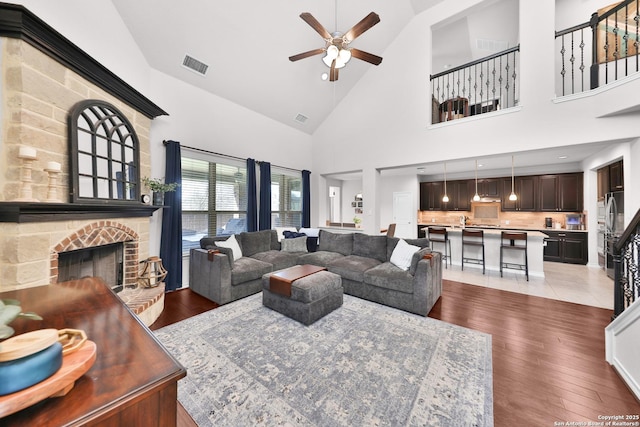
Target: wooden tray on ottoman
(281,281)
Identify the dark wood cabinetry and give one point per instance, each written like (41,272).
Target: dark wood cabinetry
(526,188)
(616,176)
(460,194)
(536,193)
(566,246)
(561,193)
(610,178)
(489,187)
(431,196)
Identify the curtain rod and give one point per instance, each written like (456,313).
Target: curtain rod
(228,156)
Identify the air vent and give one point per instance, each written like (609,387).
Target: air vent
(195,65)
(492,45)
(301,118)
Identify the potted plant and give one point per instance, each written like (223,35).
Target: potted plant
(357,221)
(159,187)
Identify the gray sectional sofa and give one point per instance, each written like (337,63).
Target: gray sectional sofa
(362,261)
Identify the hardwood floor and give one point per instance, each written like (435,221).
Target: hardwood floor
(548,355)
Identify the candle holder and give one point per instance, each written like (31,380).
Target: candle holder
(52,191)
(28,155)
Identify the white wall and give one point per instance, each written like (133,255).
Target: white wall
(96,28)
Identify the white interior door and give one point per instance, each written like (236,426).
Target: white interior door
(403,214)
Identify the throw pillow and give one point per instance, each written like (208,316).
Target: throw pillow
(402,255)
(292,234)
(297,244)
(232,244)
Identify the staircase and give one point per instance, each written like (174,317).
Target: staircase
(621,335)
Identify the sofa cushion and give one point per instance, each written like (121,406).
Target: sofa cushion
(421,242)
(402,255)
(416,258)
(253,242)
(246,269)
(370,246)
(278,259)
(352,267)
(297,244)
(231,243)
(388,276)
(320,258)
(335,242)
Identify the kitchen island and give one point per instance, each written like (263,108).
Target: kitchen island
(535,243)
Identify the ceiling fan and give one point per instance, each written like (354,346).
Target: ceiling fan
(336,48)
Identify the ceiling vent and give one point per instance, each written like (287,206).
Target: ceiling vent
(195,65)
(301,118)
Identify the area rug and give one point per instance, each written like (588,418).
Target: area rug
(364,364)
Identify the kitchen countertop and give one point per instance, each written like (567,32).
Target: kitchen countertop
(495,227)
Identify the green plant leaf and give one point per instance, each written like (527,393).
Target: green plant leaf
(6,331)
(8,313)
(30,315)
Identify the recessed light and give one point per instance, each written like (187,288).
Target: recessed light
(480,165)
(324,76)
(563,157)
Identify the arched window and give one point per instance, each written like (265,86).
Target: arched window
(105,154)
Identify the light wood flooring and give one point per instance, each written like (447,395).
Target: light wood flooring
(548,355)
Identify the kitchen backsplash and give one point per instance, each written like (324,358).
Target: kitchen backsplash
(515,219)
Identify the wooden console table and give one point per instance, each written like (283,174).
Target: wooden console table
(133,380)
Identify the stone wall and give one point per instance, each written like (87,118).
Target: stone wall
(36,96)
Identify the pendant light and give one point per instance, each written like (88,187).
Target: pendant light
(445,198)
(512,196)
(476,197)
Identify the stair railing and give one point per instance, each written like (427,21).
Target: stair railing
(626,256)
(477,87)
(614,45)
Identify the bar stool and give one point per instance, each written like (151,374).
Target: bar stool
(440,235)
(514,241)
(473,238)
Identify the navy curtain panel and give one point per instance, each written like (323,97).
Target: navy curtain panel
(252,199)
(265,196)
(171,238)
(306,199)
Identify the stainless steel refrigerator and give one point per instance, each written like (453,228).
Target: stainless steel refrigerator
(614,225)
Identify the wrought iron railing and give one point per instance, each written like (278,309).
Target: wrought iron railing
(599,51)
(487,84)
(626,256)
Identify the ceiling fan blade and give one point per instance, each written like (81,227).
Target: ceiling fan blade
(306,54)
(366,56)
(333,73)
(367,22)
(313,22)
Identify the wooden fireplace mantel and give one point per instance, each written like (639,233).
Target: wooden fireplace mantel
(22,212)
(133,381)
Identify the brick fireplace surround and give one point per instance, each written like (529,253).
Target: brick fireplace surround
(36,96)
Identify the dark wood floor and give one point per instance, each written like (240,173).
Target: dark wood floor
(548,356)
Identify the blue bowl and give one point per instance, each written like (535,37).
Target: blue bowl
(16,375)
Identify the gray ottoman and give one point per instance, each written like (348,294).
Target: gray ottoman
(312,296)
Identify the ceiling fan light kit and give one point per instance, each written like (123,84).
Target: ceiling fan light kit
(337,51)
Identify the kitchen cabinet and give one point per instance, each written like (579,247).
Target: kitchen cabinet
(561,192)
(616,177)
(489,187)
(431,196)
(603,182)
(526,188)
(566,246)
(460,194)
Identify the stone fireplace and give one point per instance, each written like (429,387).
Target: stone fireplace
(43,77)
